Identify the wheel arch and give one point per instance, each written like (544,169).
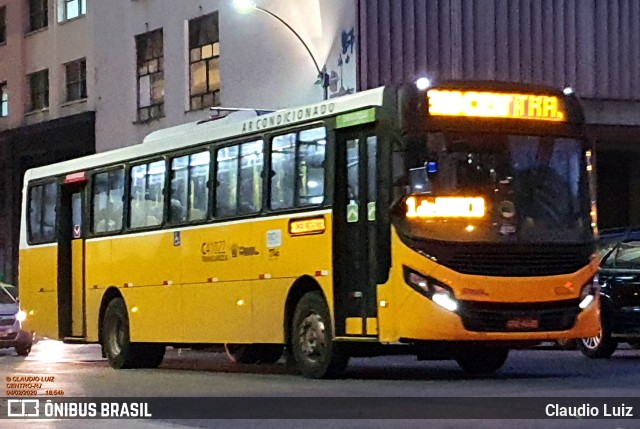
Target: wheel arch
(299,288)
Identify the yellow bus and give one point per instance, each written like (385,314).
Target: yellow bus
(449,221)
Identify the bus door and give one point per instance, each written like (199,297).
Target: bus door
(71,264)
(354,228)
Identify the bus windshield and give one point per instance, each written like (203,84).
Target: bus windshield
(496,188)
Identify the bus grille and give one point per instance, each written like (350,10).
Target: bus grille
(524,264)
(8,321)
(9,337)
(500,259)
(526,317)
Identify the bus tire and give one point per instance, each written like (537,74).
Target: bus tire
(602,346)
(115,332)
(315,353)
(482,360)
(253,353)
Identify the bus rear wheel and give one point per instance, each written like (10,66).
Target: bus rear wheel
(254,353)
(119,350)
(315,353)
(482,360)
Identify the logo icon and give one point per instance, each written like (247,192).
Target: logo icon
(23,408)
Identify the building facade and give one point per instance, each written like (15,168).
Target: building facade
(204,52)
(589,45)
(80,76)
(47,99)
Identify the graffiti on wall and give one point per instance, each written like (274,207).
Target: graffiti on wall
(342,67)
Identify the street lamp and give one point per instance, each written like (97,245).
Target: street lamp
(248,6)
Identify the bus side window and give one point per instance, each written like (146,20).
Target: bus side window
(199,185)
(251,164)
(189,198)
(115,203)
(227,181)
(35,214)
(107,209)
(146,206)
(298,169)
(178,196)
(283,154)
(310,162)
(42,213)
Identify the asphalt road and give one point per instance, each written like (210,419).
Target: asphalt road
(79,371)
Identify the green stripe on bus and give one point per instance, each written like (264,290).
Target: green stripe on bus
(356,118)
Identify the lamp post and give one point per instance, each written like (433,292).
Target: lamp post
(247,6)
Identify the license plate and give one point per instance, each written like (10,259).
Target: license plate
(523,323)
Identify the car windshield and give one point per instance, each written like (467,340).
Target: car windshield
(497,188)
(627,255)
(6,297)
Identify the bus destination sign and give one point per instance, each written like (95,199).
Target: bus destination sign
(483,104)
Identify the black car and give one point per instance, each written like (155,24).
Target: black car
(620,294)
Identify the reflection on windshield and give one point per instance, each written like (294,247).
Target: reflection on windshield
(535,188)
(6,297)
(626,256)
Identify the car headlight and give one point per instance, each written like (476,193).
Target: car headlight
(589,292)
(21,316)
(432,289)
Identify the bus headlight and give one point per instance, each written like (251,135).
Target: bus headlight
(589,292)
(443,299)
(21,316)
(432,289)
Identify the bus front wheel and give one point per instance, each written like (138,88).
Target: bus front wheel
(117,346)
(315,353)
(482,361)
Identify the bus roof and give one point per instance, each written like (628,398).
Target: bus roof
(193,133)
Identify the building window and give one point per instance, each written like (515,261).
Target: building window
(69,9)
(38,14)
(76,73)
(150,57)
(3,24)
(4,100)
(204,58)
(39,90)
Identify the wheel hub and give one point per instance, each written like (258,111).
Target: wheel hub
(312,337)
(592,342)
(116,336)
